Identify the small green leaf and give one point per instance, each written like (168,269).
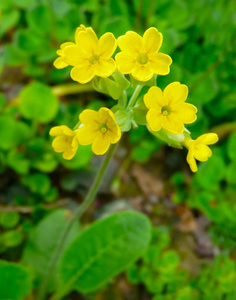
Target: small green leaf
(124,119)
(9,220)
(37,102)
(8,20)
(36,15)
(37,183)
(12,238)
(139,111)
(12,133)
(15,281)
(104,250)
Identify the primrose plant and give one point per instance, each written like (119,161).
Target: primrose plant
(123,237)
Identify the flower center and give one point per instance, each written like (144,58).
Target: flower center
(142,58)
(165,110)
(94,59)
(103,128)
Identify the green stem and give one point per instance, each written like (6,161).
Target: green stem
(134,97)
(71,88)
(82,208)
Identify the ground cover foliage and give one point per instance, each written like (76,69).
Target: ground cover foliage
(192,250)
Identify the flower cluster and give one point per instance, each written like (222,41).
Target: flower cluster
(136,65)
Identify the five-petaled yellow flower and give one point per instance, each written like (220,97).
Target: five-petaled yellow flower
(89,56)
(198,149)
(99,129)
(60,63)
(168,109)
(65,141)
(140,56)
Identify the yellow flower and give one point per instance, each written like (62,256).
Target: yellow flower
(198,149)
(168,109)
(90,56)
(140,56)
(99,129)
(59,63)
(65,141)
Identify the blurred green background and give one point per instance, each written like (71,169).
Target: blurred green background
(193,251)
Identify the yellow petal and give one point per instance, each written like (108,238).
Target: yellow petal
(63,46)
(87,134)
(79,29)
(142,73)
(105,68)
(208,138)
(130,43)
(59,63)
(105,115)
(59,144)
(114,134)
(153,98)
(73,55)
(82,74)
(175,92)
(89,117)
(186,112)
(152,40)
(106,45)
(202,152)
(88,42)
(160,63)
(191,161)
(154,119)
(61,130)
(125,62)
(69,153)
(172,125)
(101,144)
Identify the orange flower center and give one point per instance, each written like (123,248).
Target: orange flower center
(165,110)
(94,59)
(142,58)
(103,128)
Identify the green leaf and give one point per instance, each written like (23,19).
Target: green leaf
(9,220)
(210,173)
(36,15)
(8,20)
(43,241)
(12,132)
(104,250)
(37,183)
(16,160)
(124,119)
(12,238)
(139,112)
(37,102)
(231,146)
(27,41)
(15,281)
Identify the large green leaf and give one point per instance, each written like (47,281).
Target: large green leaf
(44,239)
(104,250)
(15,281)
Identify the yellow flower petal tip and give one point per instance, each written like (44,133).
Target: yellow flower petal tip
(198,149)
(168,110)
(99,129)
(65,141)
(139,56)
